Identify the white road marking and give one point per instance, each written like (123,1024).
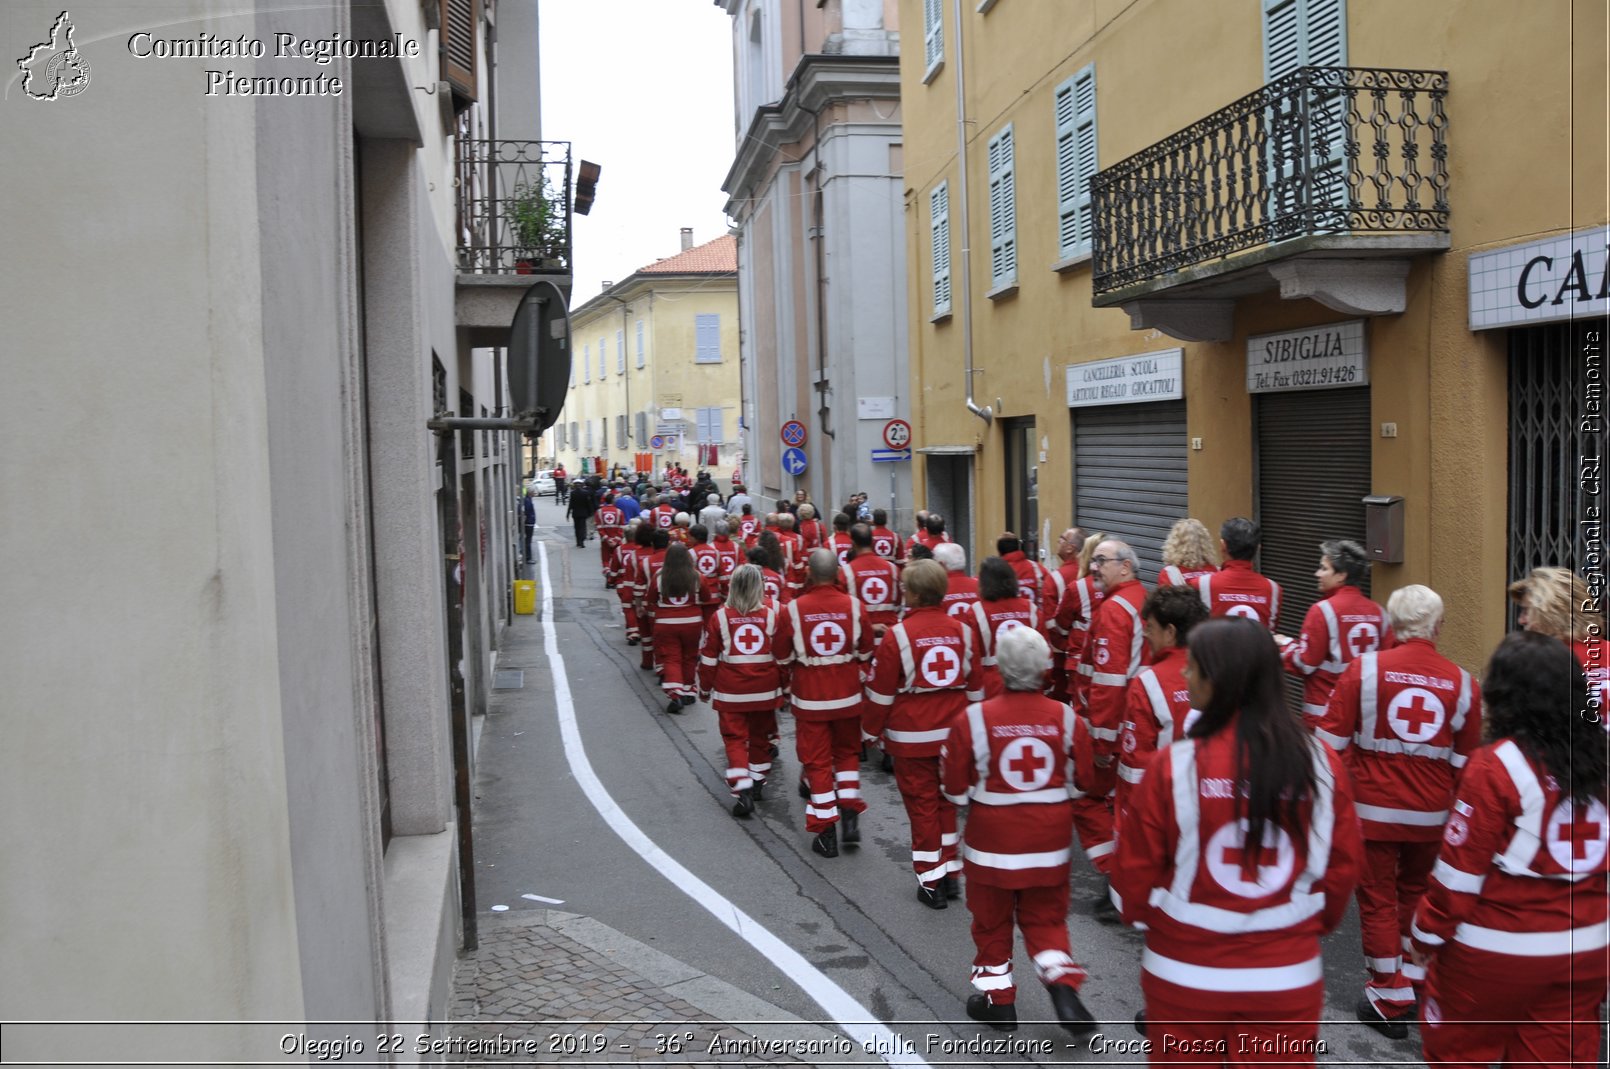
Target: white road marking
(855,1019)
(550,901)
(500,909)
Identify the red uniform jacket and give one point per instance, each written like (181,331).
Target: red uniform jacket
(924,673)
(744,660)
(841,546)
(1011,758)
(887,544)
(1338,630)
(794,553)
(1173,575)
(1033,582)
(663,517)
(776,587)
(1114,652)
(1412,719)
(728,559)
(1072,623)
(926,539)
(961,592)
(1215,924)
(609,520)
(649,563)
(832,644)
(626,569)
(749,530)
(1237,590)
(1157,710)
(1060,580)
(682,611)
(992,619)
(1522,870)
(814,533)
(876,582)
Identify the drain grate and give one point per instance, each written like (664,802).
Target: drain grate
(508,679)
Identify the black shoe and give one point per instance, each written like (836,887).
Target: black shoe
(1140,1021)
(851,822)
(1000,1018)
(827,843)
(951,886)
(932,897)
(674,707)
(804,790)
(632,641)
(609,586)
(1389,1027)
(888,763)
(745,805)
(760,790)
(1071,1012)
(687,700)
(1102,908)
(774,751)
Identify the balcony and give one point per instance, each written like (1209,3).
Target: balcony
(513,229)
(1322,183)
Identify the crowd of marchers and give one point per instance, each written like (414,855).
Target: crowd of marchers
(1071,703)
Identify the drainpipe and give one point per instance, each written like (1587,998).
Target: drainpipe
(983,413)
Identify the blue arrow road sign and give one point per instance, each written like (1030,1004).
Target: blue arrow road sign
(890,456)
(794,461)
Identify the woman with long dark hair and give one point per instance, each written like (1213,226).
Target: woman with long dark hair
(1239,851)
(1515,922)
(1000,608)
(772,567)
(679,599)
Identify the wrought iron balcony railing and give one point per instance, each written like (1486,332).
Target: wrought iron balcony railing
(513,207)
(1323,150)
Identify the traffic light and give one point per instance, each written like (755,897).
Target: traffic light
(586,186)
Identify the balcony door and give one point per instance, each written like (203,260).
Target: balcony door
(1307,126)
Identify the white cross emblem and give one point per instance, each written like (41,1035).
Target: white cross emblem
(1275,861)
(1362,639)
(1026,764)
(1578,835)
(883,547)
(1416,714)
(958,608)
(1007,627)
(874,590)
(1245,611)
(827,639)
(748,639)
(707,563)
(941,667)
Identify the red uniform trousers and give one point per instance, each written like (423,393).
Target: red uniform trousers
(1536,1011)
(607,545)
(830,762)
(628,610)
(932,818)
(1390,886)
(1187,1026)
(1093,823)
(747,737)
(676,657)
(645,624)
(1042,914)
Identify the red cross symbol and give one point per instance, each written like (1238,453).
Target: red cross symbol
(941,666)
(748,639)
(828,639)
(1579,832)
(1417,713)
(1027,764)
(1236,856)
(883,547)
(874,590)
(1361,639)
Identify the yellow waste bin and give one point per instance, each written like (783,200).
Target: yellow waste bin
(525,596)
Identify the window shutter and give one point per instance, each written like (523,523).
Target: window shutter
(1303,33)
(933,31)
(1325,33)
(459,19)
(602,358)
(575,435)
(639,343)
(642,428)
(620,352)
(707,338)
(620,431)
(1076,160)
(939,231)
(1282,38)
(1002,209)
(586,363)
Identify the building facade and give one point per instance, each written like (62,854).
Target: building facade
(815,197)
(1265,258)
(655,377)
(250,731)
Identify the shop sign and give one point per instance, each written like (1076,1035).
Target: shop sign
(1127,380)
(1565,277)
(1314,358)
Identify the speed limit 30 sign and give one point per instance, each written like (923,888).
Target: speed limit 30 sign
(897,434)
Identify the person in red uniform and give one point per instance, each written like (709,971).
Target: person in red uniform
(793,548)
(730,555)
(839,541)
(1071,624)
(832,645)
(1001,606)
(1340,628)
(748,527)
(1557,602)
(707,561)
(645,585)
(1239,851)
(1157,707)
(637,540)
(961,589)
(743,672)
(680,594)
(1514,925)
(1033,579)
(768,555)
(609,521)
(1008,757)
(873,580)
(920,520)
(1063,576)
(1407,720)
(662,515)
(1188,553)
(885,542)
(924,673)
(930,533)
(812,531)
(1236,589)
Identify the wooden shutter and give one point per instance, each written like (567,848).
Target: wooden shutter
(939,235)
(1076,160)
(1002,209)
(459,19)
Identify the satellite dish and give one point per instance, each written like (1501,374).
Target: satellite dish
(539,358)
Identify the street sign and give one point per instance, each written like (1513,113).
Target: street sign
(794,461)
(897,434)
(657,442)
(671,441)
(890,456)
(794,434)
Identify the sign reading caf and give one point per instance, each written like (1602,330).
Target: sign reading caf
(1558,278)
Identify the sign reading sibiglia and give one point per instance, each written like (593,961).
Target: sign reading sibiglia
(1314,358)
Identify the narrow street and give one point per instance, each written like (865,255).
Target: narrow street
(854,918)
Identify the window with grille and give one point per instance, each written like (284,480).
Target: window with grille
(1002,209)
(708,425)
(640,356)
(939,242)
(707,338)
(1075,104)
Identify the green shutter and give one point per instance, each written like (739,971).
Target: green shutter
(1075,106)
(939,237)
(1002,209)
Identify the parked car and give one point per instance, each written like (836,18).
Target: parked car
(542,483)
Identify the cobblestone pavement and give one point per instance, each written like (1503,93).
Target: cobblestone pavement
(531,994)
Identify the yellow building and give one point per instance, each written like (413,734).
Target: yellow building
(1217,274)
(654,368)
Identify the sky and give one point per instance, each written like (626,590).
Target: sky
(644,89)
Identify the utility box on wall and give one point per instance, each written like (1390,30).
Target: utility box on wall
(1383,528)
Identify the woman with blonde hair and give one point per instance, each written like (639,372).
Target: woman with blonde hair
(1076,610)
(1189,552)
(1557,602)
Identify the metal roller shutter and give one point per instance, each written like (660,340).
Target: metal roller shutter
(1313,472)
(1129,475)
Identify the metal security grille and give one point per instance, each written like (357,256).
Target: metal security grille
(1554,371)
(1129,475)
(1313,472)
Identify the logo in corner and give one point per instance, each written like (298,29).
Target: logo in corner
(55,68)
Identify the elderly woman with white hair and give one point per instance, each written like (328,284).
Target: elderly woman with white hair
(1406,719)
(1011,757)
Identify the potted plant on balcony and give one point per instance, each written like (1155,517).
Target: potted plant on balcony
(537,222)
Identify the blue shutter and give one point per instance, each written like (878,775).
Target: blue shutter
(939,238)
(1075,103)
(707,338)
(933,32)
(639,343)
(587,363)
(620,352)
(1002,209)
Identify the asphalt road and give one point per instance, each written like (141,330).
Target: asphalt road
(854,917)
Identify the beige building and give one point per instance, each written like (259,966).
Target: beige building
(1184,263)
(654,376)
